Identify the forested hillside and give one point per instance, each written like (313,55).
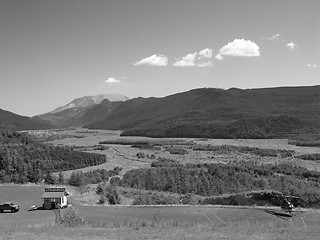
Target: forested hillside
(217,179)
(18,122)
(77,116)
(218,113)
(23,159)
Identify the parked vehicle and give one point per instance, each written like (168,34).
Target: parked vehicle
(33,208)
(9,206)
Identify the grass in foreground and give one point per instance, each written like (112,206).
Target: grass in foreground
(74,227)
(137,232)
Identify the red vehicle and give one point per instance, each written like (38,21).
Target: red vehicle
(9,206)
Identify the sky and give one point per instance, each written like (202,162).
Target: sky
(52,52)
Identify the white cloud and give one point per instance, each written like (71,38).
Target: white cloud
(205,53)
(291,46)
(205,64)
(192,59)
(274,37)
(312,65)
(112,80)
(186,61)
(154,60)
(239,48)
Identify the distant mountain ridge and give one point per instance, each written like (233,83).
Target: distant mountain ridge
(83,110)
(217,113)
(88,101)
(204,112)
(9,120)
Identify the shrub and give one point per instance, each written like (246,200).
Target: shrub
(312,157)
(140,155)
(164,162)
(76,179)
(115,181)
(49,179)
(61,179)
(112,195)
(117,170)
(155,198)
(102,199)
(100,189)
(71,218)
(177,150)
(190,199)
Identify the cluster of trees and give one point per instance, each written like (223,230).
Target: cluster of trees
(176,150)
(262,152)
(165,162)
(312,157)
(307,138)
(23,159)
(80,178)
(255,198)
(155,198)
(108,194)
(243,126)
(216,179)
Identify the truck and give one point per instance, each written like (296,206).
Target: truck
(9,206)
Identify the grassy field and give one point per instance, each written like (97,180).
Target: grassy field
(26,195)
(236,232)
(155,222)
(126,157)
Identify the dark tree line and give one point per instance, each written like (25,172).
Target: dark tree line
(23,159)
(262,152)
(80,178)
(216,179)
(243,126)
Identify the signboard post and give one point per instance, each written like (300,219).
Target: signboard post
(54,189)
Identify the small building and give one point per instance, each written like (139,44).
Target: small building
(55,197)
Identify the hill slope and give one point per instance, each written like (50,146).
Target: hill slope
(18,122)
(83,110)
(88,101)
(23,159)
(233,113)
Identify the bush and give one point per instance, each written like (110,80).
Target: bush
(140,155)
(117,170)
(49,179)
(76,179)
(61,179)
(262,152)
(112,195)
(155,198)
(115,181)
(164,162)
(190,199)
(102,199)
(71,218)
(312,157)
(100,189)
(237,199)
(177,150)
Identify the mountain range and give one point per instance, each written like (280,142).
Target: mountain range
(78,112)
(9,120)
(204,112)
(83,110)
(88,101)
(218,113)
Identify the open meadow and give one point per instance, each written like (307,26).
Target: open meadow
(119,152)
(159,222)
(151,222)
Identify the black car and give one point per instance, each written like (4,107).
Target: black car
(9,206)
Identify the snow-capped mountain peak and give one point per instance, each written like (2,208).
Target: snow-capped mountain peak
(88,101)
